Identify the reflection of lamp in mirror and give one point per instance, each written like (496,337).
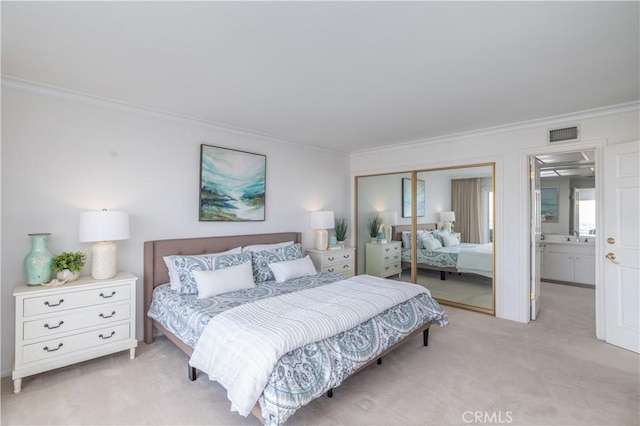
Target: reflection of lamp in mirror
(103,227)
(388,218)
(448,220)
(321,221)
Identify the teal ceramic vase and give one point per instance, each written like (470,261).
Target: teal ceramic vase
(37,264)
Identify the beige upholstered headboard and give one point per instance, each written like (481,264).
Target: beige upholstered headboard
(396,231)
(155,270)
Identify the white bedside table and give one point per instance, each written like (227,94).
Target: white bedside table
(78,321)
(384,260)
(338,261)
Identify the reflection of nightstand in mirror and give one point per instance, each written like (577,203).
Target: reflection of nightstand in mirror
(383,260)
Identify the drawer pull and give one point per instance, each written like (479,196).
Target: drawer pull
(50,327)
(345,266)
(113,293)
(51,306)
(330,269)
(104,316)
(46,348)
(346,256)
(331,259)
(107,337)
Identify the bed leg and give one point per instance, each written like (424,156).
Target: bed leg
(443,277)
(330,393)
(192,373)
(425,337)
(379,361)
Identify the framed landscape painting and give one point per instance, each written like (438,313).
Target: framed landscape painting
(232,185)
(406,198)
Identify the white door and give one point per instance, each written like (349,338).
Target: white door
(536,230)
(621,240)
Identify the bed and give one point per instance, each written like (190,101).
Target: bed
(459,258)
(204,328)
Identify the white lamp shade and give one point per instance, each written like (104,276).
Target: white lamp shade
(447,216)
(103,225)
(389,217)
(322,220)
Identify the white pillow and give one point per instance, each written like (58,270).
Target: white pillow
(218,281)
(450,240)
(432,244)
(290,269)
(174,260)
(260,247)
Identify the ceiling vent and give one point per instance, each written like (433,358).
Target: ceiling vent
(566,134)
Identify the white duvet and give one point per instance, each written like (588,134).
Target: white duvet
(477,260)
(240,347)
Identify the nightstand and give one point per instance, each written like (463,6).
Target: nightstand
(78,321)
(383,260)
(457,234)
(338,261)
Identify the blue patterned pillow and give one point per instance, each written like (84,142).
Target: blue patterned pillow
(183,267)
(262,259)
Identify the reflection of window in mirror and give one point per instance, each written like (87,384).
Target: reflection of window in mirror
(584,211)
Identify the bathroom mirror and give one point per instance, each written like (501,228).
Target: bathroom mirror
(455,207)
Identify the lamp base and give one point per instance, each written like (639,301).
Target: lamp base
(103,260)
(446,226)
(322,239)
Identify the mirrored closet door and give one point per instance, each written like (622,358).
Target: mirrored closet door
(433,228)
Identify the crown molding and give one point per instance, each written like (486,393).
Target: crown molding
(542,122)
(81,97)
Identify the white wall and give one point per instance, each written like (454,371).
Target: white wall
(508,147)
(62,155)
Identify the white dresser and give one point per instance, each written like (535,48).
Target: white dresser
(78,321)
(383,260)
(338,261)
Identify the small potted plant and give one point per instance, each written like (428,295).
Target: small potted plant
(340,228)
(67,265)
(373,225)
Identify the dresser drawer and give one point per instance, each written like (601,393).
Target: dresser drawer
(339,268)
(391,257)
(73,300)
(335,258)
(70,321)
(390,269)
(66,345)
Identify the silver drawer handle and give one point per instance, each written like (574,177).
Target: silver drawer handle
(51,327)
(104,316)
(113,293)
(107,337)
(46,348)
(346,256)
(331,259)
(345,266)
(330,269)
(51,306)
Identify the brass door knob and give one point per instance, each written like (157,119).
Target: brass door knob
(611,257)
(611,240)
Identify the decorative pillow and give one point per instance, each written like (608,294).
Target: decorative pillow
(406,238)
(262,259)
(177,263)
(438,235)
(260,247)
(432,244)
(225,280)
(290,269)
(185,265)
(450,240)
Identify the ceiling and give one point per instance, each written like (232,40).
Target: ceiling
(345,76)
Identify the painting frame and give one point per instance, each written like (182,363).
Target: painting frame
(406,198)
(232,185)
(549,207)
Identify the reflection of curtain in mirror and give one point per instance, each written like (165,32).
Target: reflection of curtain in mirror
(466,202)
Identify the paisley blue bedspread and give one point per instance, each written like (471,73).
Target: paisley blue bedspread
(445,257)
(306,373)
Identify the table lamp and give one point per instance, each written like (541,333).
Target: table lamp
(321,221)
(388,218)
(448,219)
(103,227)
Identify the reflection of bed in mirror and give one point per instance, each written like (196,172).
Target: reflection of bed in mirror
(458,258)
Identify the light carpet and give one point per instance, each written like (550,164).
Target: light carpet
(478,370)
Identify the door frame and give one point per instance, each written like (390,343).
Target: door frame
(598,146)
